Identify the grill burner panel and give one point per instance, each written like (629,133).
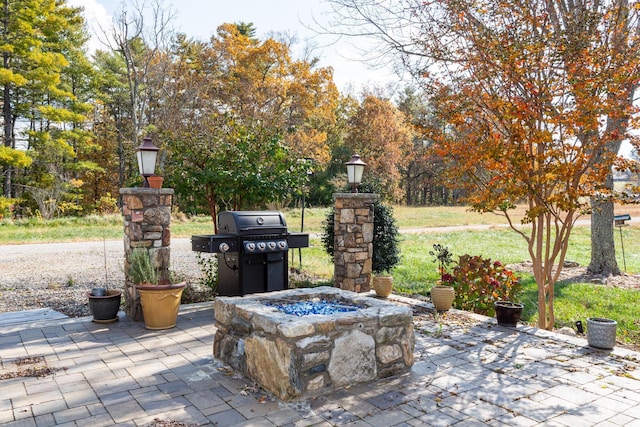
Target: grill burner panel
(252,249)
(265,246)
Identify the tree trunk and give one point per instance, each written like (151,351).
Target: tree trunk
(603,251)
(7,112)
(213,210)
(7,140)
(121,160)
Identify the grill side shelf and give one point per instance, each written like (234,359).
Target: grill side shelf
(211,243)
(298,240)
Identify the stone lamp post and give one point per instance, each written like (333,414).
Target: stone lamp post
(147,224)
(353,232)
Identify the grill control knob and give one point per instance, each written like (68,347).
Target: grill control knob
(223,247)
(272,245)
(282,245)
(251,247)
(262,246)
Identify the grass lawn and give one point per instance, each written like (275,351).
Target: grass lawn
(416,273)
(573,301)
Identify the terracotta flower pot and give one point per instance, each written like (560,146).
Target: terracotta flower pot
(155,181)
(442,297)
(382,285)
(160,304)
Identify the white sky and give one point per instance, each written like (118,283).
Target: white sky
(200,18)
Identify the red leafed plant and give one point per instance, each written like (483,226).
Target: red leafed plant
(480,282)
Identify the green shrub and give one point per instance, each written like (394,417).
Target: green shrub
(479,282)
(208,264)
(328,231)
(386,252)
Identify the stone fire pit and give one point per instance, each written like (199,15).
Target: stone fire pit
(297,357)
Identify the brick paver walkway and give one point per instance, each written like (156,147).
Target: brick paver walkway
(466,373)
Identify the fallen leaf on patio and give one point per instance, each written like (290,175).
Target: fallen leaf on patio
(226,371)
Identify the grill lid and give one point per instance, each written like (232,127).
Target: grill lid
(251,222)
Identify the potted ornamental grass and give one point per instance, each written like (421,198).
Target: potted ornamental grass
(159,298)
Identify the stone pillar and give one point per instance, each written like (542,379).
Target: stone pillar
(353,240)
(147,221)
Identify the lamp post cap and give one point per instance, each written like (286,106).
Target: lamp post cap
(147,145)
(356,160)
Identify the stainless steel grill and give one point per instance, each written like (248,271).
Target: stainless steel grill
(252,248)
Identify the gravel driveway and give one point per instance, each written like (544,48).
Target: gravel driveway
(58,275)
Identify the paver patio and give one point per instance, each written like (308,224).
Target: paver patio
(467,372)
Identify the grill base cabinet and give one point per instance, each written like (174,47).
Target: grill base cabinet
(252,250)
(258,273)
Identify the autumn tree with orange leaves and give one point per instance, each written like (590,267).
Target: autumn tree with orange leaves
(246,120)
(537,97)
(382,135)
(260,81)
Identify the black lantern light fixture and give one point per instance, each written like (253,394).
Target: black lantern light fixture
(147,154)
(355,167)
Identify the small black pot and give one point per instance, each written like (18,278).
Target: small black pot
(105,308)
(508,313)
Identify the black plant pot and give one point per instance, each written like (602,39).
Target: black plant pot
(508,313)
(105,308)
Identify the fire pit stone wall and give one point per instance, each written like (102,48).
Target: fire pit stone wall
(298,357)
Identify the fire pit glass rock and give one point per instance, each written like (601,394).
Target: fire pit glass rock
(314,306)
(301,356)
